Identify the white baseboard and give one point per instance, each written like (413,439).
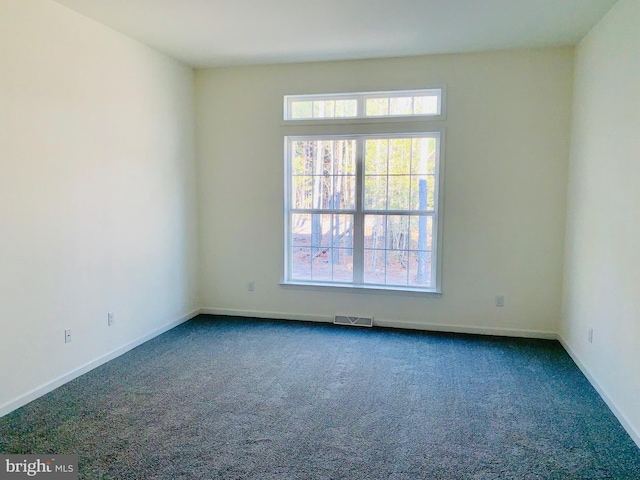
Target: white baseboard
(262,314)
(22,400)
(386,323)
(633,433)
(500,332)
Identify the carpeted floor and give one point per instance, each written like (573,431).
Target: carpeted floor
(222,398)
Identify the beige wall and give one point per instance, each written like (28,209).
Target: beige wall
(97,202)
(602,261)
(506,151)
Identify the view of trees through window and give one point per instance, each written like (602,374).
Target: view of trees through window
(323,180)
(387,237)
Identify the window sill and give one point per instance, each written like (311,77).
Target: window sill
(350,288)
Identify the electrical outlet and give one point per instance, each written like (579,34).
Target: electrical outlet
(590,335)
(67,335)
(500,301)
(251,286)
(111,319)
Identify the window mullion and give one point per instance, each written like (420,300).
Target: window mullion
(361,106)
(358,227)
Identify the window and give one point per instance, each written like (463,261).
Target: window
(363,209)
(364,105)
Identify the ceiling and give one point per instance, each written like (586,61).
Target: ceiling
(207,33)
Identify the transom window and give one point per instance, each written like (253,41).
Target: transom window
(362,209)
(364,105)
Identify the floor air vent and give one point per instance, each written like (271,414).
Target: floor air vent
(354,321)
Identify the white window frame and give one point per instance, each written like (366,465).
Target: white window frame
(361,99)
(362,128)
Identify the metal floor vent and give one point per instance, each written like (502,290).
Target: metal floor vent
(353,321)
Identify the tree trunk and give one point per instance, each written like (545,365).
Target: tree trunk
(316,225)
(422,234)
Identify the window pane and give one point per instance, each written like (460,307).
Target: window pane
(345,192)
(421,232)
(423,156)
(346,108)
(343,231)
(375,266)
(431,191)
(420,193)
(399,156)
(320,231)
(377,107)
(387,257)
(301,263)
(324,109)
(332,163)
(425,105)
(301,229)
(344,167)
(333,264)
(401,106)
(388,263)
(345,157)
(302,161)
(342,264)
(374,231)
(397,273)
(431,163)
(301,109)
(420,269)
(376,154)
(431,158)
(326,156)
(398,192)
(398,232)
(301,192)
(375,193)
(331,253)
(398,106)
(322,191)
(321,267)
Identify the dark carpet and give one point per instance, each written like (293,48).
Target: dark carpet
(223,398)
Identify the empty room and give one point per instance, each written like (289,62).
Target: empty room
(320,240)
